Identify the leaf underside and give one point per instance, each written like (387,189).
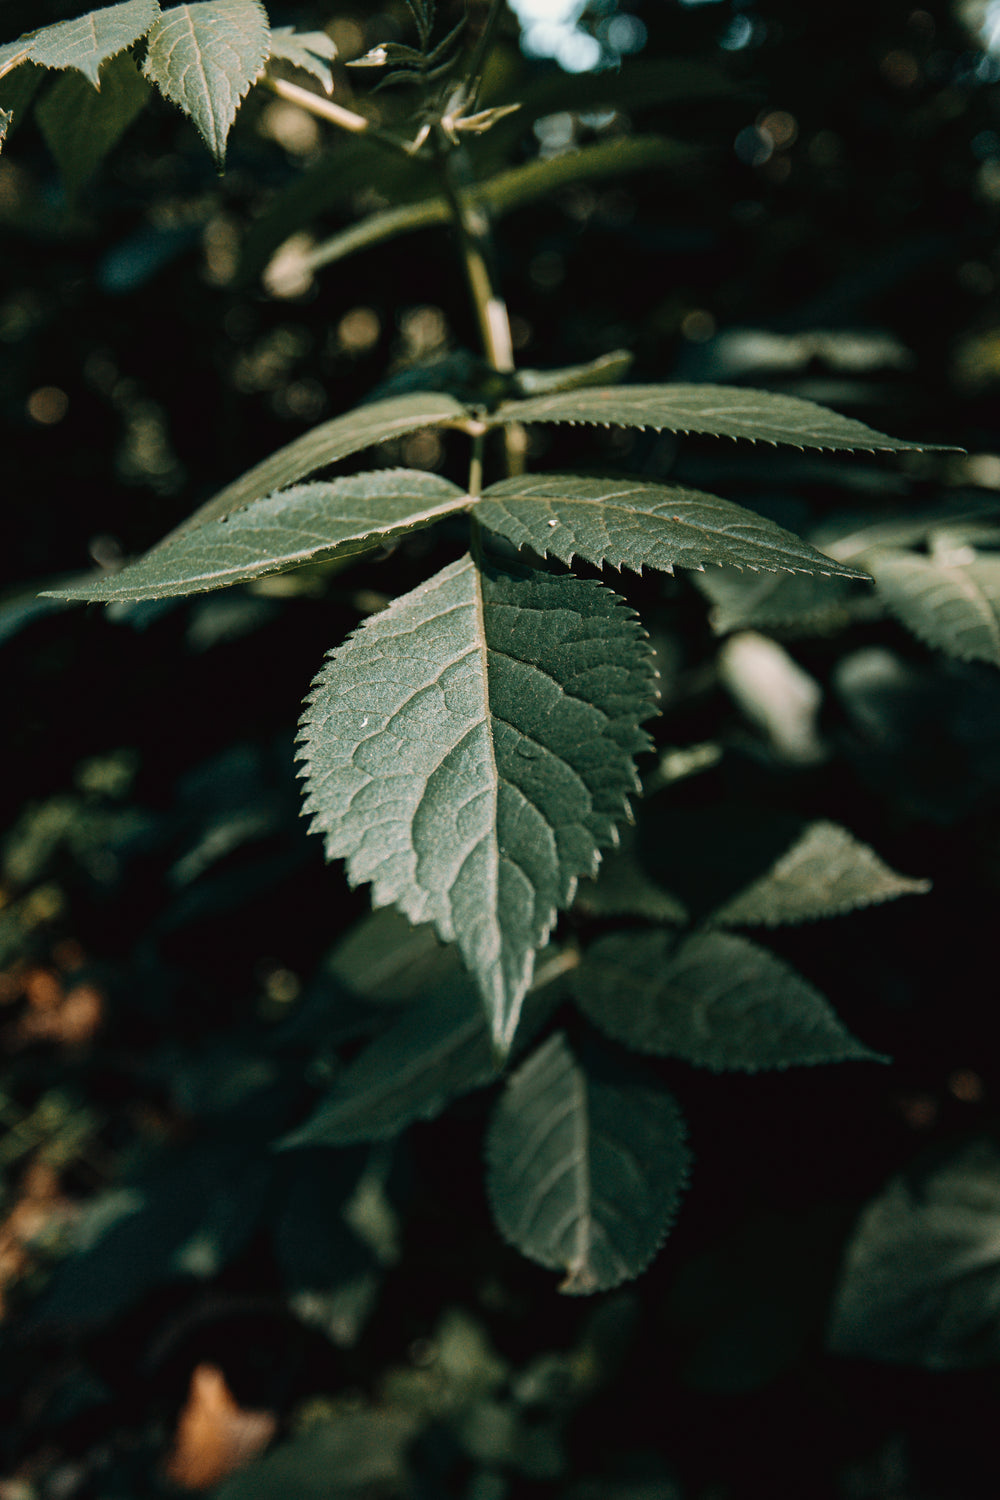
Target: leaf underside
(204,58)
(921,1280)
(716,410)
(333,440)
(469,751)
(826,873)
(715,1000)
(952,605)
(633,524)
(586,1167)
(306,523)
(88,41)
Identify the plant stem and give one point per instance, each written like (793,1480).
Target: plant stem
(480,53)
(334,114)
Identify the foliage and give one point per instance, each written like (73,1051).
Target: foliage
(571,801)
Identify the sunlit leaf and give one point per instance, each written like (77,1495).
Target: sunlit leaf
(950,600)
(204,58)
(634,524)
(920,1283)
(303,524)
(825,873)
(587,1164)
(718,410)
(81,126)
(333,440)
(469,751)
(713,999)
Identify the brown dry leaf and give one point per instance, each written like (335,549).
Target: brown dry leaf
(215,1435)
(39,1200)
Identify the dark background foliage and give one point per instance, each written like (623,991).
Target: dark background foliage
(165,1009)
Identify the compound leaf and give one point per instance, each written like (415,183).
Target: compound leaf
(204,58)
(921,1280)
(303,524)
(634,524)
(825,873)
(715,1000)
(469,750)
(586,1167)
(323,445)
(312,51)
(85,43)
(81,126)
(951,600)
(719,410)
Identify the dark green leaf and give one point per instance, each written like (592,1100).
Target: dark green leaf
(333,440)
(586,1167)
(389,962)
(951,600)
(469,751)
(86,42)
(921,1279)
(312,51)
(624,889)
(356,1455)
(304,524)
(719,410)
(825,873)
(713,999)
(630,523)
(204,58)
(805,603)
(81,126)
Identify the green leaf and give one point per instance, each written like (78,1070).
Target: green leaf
(312,51)
(352,1456)
(6,119)
(385,960)
(634,524)
(586,1167)
(85,43)
(355,430)
(612,366)
(825,873)
(81,126)
(623,889)
(469,751)
(204,58)
(719,410)
(510,190)
(715,1000)
(304,524)
(951,600)
(920,1283)
(806,603)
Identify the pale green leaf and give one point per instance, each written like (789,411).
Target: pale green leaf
(204,58)
(81,126)
(635,524)
(307,523)
(951,601)
(920,1284)
(612,366)
(586,1167)
(718,410)
(469,751)
(805,603)
(312,51)
(715,1000)
(85,43)
(506,192)
(333,440)
(826,873)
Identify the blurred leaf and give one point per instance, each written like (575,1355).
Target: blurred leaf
(613,366)
(215,1435)
(803,602)
(951,600)
(920,1282)
(357,1455)
(722,411)
(87,42)
(586,1166)
(825,873)
(307,523)
(715,1000)
(624,889)
(494,759)
(312,51)
(386,960)
(81,126)
(204,57)
(635,524)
